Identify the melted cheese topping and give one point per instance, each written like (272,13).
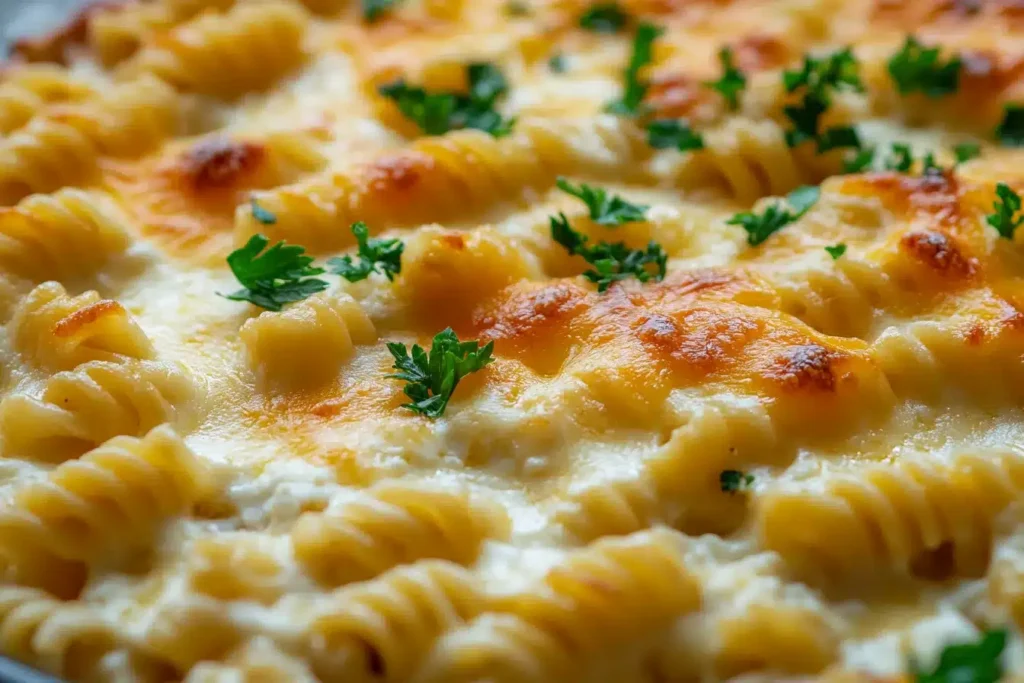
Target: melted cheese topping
(197,490)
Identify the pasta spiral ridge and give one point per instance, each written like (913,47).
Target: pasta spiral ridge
(396,523)
(614,508)
(308,343)
(59,332)
(64,639)
(381,629)
(108,502)
(82,408)
(28,89)
(615,591)
(63,146)
(889,517)
(66,234)
(257,661)
(245,49)
(456,176)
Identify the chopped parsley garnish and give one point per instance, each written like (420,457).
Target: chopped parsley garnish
(517,8)
(673,134)
(380,255)
(916,68)
(372,9)
(262,215)
(899,157)
(635,89)
(605,209)
(776,216)
(1011,131)
(1006,218)
(605,17)
(978,662)
(278,276)
(734,481)
(819,78)
(432,377)
(438,113)
(612,262)
(966,151)
(558,63)
(836,250)
(732,81)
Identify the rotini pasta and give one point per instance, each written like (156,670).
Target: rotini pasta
(394,524)
(59,332)
(82,408)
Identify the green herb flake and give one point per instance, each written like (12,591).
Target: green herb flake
(438,113)
(635,89)
(558,63)
(965,151)
(1006,218)
(380,255)
(605,17)
(836,250)
(735,481)
(819,78)
(262,215)
(517,8)
(374,9)
(732,82)
(605,209)
(977,662)
(833,72)
(1011,131)
(611,262)
(672,134)
(916,68)
(760,227)
(431,378)
(277,276)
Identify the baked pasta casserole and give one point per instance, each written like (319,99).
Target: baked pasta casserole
(525,341)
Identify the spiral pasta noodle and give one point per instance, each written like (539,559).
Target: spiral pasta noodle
(614,508)
(453,177)
(27,90)
(106,504)
(257,661)
(394,524)
(381,629)
(63,146)
(242,566)
(59,332)
(891,517)
(777,637)
(616,592)
(245,49)
(308,343)
(64,235)
(81,408)
(61,638)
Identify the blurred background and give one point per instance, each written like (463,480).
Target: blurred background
(31,17)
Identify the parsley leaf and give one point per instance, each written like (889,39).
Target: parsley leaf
(517,8)
(734,481)
(262,215)
(380,255)
(605,17)
(835,251)
(438,113)
(612,261)
(1007,207)
(635,89)
(672,134)
(760,227)
(732,81)
(432,378)
(605,209)
(977,662)
(819,77)
(373,9)
(1011,131)
(919,68)
(966,151)
(558,63)
(276,277)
